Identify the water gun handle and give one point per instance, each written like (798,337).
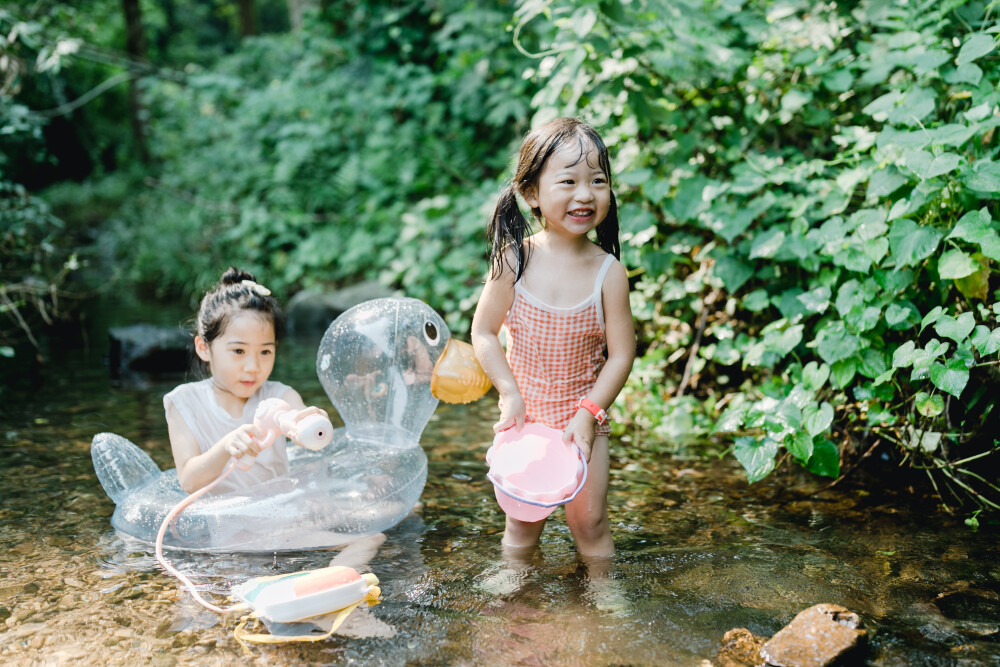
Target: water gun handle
(276,417)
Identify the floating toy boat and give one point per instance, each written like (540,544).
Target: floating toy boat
(384,365)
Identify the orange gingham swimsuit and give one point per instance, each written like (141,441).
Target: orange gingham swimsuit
(556,354)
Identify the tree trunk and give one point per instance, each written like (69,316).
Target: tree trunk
(295,8)
(248,18)
(135,46)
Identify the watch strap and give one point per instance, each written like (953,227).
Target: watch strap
(600,414)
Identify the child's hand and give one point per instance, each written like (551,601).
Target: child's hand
(244,440)
(512,414)
(580,430)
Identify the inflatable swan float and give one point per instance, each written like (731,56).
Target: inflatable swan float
(384,364)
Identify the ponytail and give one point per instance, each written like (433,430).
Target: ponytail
(608,231)
(507,228)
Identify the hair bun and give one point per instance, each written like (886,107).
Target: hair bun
(234,276)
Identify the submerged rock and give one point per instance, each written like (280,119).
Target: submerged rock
(147,349)
(823,634)
(739,648)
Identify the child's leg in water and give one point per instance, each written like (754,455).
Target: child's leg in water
(587,515)
(358,553)
(506,576)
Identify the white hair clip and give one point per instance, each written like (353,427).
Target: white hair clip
(260,289)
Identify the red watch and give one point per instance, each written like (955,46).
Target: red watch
(600,414)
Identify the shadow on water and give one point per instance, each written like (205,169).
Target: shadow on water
(699,553)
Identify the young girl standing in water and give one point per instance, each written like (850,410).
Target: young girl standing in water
(209,422)
(564,300)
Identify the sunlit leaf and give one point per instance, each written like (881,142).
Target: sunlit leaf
(957,329)
(955,264)
(949,378)
(976,46)
(800,445)
(756,456)
(910,243)
(929,405)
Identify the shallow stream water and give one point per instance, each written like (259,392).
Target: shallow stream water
(699,552)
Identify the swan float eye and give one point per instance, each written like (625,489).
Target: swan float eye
(431,333)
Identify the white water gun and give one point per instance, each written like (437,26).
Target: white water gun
(276,417)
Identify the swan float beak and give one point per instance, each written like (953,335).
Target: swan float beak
(458,377)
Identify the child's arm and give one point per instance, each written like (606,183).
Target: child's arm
(620,332)
(196,469)
(495,301)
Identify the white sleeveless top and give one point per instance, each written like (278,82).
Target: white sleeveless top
(208,422)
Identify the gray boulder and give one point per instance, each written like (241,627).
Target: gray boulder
(309,312)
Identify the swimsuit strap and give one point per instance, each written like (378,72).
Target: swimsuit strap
(598,284)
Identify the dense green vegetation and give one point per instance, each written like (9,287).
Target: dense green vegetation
(808,191)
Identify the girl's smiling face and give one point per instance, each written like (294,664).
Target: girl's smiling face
(242,358)
(572,193)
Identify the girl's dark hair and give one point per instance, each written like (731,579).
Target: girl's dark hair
(230,297)
(508,225)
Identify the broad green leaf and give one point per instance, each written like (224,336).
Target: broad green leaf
(896,314)
(795,99)
(583,21)
(864,319)
(835,343)
(873,363)
(977,284)
(931,317)
(825,459)
(839,81)
(756,301)
(842,372)
(975,47)
(816,300)
(851,295)
(909,243)
(756,457)
(885,377)
(972,226)
(951,134)
(817,418)
(929,405)
(731,419)
(949,378)
(986,342)
(879,108)
(904,355)
(884,182)
(983,175)
(814,375)
(955,264)
(783,342)
(957,329)
(927,166)
(926,441)
(767,243)
(916,105)
(967,73)
(800,445)
(733,272)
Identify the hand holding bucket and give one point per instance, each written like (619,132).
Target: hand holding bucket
(533,471)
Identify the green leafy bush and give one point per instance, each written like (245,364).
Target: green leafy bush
(811,211)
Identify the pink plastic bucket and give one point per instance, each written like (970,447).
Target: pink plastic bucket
(533,471)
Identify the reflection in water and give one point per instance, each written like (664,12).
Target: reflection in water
(699,553)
